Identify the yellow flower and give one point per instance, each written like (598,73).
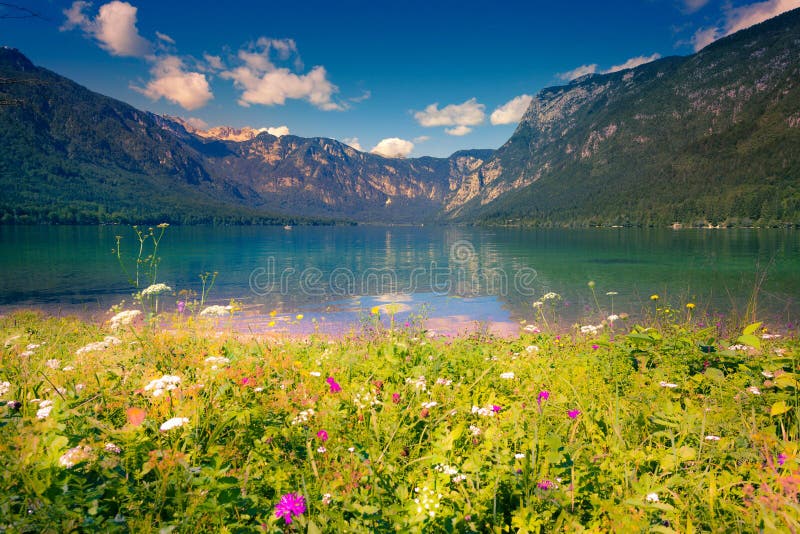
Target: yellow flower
(654,297)
(299,316)
(271,324)
(690,305)
(376,310)
(273,313)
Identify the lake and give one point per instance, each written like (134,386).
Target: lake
(455,277)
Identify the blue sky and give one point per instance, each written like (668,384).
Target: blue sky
(410,78)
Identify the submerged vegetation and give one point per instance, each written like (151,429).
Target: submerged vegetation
(618,427)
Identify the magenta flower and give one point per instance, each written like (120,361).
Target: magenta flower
(573,414)
(781,459)
(396,398)
(595,347)
(543,396)
(496,408)
(289,505)
(335,387)
(545,485)
(322,435)
(181,306)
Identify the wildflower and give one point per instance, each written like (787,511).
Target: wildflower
(396,398)
(322,450)
(459,478)
(545,485)
(590,329)
(532,329)
(496,408)
(669,385)
(299,316)
(217,360)
(322,435)
(446,469)
(713,438)
(543,396)
(612,293)
(303,417)
(160,385)
(326,499)
(573,414)
(530,349)
(335,387)
(351,449)
(124,318)
(591,283)
(754,390)
(781,459)
(175,422)
(690,305)
(768,374)
(79,387)
(5,387)
(418,383)
(483,412)
(216,311)
(428,501)
(595,347)
(68,368)
(654,297)
(45,407)
(74,456)
(111,447)
(613,317)
(273,313)
(474,430)
(315,373)
(53,364)
(181,306)
(429,405)
(739,347)
(551,296)
(443,381)
(538,304)
(156,289)
(14,405)
(376,310)
(651,497)
(519,456)
(289,505)
(770,336)
(364,399)
(99,345)
(507,376)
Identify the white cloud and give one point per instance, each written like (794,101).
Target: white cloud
(277,131)
(353,142)
(592,69)
(632,63)
(583,70)
(164,37)
(692,6)
(114,27)
(262,82)
(364,96)
(469,113)
(214,62)
(458,130)
(393,147)
(742,17)
(173,82)
(422,139)
(512,111)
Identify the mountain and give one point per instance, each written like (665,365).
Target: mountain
(71,155)
(709,138)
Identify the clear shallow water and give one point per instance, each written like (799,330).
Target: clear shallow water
(457,276)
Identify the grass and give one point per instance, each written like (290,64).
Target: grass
(633,429)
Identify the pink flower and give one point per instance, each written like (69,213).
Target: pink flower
(396,398)
(496,408)
(322,435)
(595,347)
(335,387)
(573,414)
(289,505)
(181,306)
(543,396)
(545,485)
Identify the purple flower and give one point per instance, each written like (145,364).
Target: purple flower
(595,347)
(335,387)
(322,435)
(289,505)
(545,485)
(543,395)
(573,414)
(781,459)
(181,306)
(496,408)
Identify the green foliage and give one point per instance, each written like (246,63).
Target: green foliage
(645,430)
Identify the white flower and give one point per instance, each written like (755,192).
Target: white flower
(53,364)
(754,390)
(218,360)
(111,447)
(507,376)
(75,455)
(315,373)
(519,456)
(611,318)
(532,328)
(326,499)
(712,438)
(351,449)
(165,383)
(429,405)
(68,368)
(99,345)
(459,478)
(591,329)
(770,336)
(303,417)
(551,296)
(156,289)
(363,399)
(175,422)
(651,497)
(483,412)
(612,293)
(418,383)
(443,381)
(33,346)
(474,430)
(26,354)
(216,311)
(322,450)
(45,407)
(530,349)
(768,374)
(538,304)
(739,346)
(667,385)
(124,318)
(446,469)
(5,387)
(258,389)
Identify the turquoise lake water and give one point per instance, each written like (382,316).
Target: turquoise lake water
(456,277)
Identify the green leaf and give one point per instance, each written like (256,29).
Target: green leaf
(750,340)
(779,408)
(751,328)
(786,381)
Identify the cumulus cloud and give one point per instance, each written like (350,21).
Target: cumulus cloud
(353,142)
(512,111)
(458,130)
(174,83)
(393,147)
(422,139)
(469,113)
(742,17)
(114,27)
(263,82)
(214,62)
(592,69)
(691,6)
(277,131)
